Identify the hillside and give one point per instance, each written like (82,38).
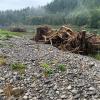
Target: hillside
(68,6)
(81,13)
(77,12)
(58,12)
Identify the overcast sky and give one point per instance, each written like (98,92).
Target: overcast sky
(18,4)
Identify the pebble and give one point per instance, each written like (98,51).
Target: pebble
(55,87)
(57,92)
(91,88)
(63,96)
(15,73)
(34,98)
(33,85)
(52,98)
(25,97)
(91,64)
(2,79)
(76,96)
(11,81)
(27,94)
(37,75)
(69,87)
(1,91)
(47,81)
(74,91)
(91,93)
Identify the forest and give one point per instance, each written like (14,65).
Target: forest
(58,12)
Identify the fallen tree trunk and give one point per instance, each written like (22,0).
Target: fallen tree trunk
(67,40)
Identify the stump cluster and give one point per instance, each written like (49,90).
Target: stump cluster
(68,40)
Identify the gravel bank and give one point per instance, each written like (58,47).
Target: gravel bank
(79,81)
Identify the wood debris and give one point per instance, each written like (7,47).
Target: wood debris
(68,40)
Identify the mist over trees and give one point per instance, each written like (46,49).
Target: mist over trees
(20,16)
(58,12)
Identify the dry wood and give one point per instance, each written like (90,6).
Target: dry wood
(67,40)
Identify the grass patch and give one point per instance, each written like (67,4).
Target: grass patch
(2,61)
(1,45)
(45,65)
(18,67)
(61,67)
(96,56)
(47,70)
(4,34)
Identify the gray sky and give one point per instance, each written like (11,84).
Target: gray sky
(18,4)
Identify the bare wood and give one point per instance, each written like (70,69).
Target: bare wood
(68,40)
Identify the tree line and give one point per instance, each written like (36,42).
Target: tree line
(58,12)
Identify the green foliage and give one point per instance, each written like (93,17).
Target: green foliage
(51,19)
(8,36)
(45,65)
(96,56)
(4,34)
(17,66)
(47,70)
(95,19)
(77,12)
(2,61)
(62,67)
(58,12)
(61,6)
(18,16)
(80,20)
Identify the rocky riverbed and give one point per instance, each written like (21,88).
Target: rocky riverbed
(80,79)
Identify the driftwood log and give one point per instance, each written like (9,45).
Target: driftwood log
(17,29)
(68,40)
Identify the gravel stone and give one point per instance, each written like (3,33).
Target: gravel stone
(1,91)
(80,81)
